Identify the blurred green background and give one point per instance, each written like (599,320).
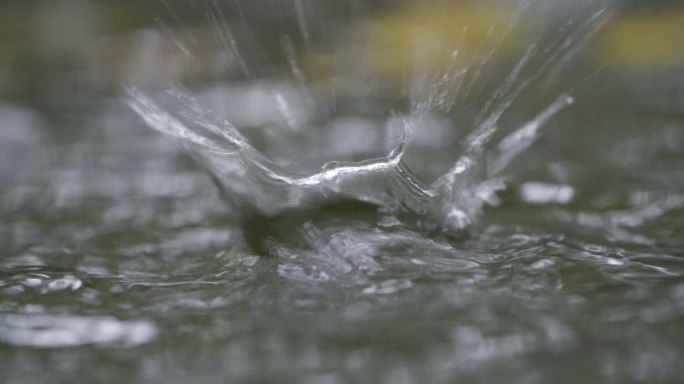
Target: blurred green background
(56,53)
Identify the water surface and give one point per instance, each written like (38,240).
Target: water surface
(120,262)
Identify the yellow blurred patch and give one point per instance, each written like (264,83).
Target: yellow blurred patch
(641,42)
(427,39)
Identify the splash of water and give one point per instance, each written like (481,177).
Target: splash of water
(252,184)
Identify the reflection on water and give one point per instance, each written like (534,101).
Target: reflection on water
(120,262)
(68,331)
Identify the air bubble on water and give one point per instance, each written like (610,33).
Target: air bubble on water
(66,282)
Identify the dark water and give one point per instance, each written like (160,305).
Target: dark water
(120,262)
